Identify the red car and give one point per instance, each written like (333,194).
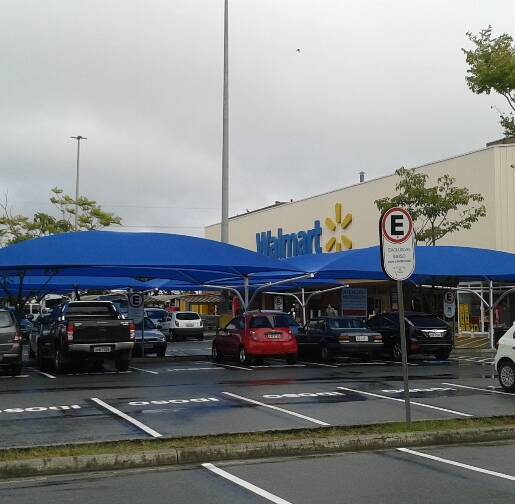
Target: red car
(257,335)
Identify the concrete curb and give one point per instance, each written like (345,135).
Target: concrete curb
(277,448)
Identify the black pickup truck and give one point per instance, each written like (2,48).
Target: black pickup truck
(86,331)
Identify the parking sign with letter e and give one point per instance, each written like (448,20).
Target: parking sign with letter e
(397,243)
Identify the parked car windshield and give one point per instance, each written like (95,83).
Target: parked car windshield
(284,321)
(271,321)
(148,324)
(346,323)
(425,321)
(90,309)
(5,319)
(155,314)
(187,316)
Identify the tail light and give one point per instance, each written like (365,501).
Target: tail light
(344,338)
(289,335)
(253,335)
(132,331)
(69,332)
(176,323)
(378,339)
(17,336)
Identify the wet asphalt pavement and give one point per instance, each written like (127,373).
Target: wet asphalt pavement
(186,394)
(475,474)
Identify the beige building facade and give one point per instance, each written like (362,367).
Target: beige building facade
(348,218)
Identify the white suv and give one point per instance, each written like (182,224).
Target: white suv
(181,324)
(505,360)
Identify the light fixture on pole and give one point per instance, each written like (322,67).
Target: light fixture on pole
(78,138)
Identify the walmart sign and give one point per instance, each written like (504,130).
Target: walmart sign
(290,244)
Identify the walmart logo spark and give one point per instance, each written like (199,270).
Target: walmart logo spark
(333,226)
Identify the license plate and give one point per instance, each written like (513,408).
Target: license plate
(435,334)
(148,345)
(189,325)
(101,349)
(273,335)
(361,338)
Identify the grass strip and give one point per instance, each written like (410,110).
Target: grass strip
(141,445)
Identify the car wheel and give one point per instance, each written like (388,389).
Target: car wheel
(161,352)
(216,356)
(244,356)
(121,364)
(32,355)
(59,362)
(507,375)
(201,337)
(396,351)
(325,354)
(442,354)
(41,363)
(291,359)
(169,336)
(16,369)
(173,336)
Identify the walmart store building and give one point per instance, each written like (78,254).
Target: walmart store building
(348,218)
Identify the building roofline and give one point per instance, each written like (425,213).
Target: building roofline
(270,207)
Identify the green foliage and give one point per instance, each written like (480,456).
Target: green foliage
(492,68)
(17,228)
(438,210)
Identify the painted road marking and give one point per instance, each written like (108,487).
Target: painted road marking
(457,464)
(278,366)
(415,390)
(412,402)
(128,418)
(197,369)
(48,375)
(245,484)
(482,389)
(276,408)
(302,394)
(320,364)
(37,409)
(235,367)
(174,401)
(15,376)
(144,370)
(99,373)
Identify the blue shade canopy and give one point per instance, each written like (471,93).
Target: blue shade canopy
(136,255)
(431,263)
(39,285)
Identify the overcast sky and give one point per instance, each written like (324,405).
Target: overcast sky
(376,85)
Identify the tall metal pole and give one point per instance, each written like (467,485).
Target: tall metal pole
(78,138)
(225,133)
(404,350)
(491,315)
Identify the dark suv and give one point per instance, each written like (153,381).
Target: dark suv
(10,343)
(424,334)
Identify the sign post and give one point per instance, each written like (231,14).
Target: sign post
(397,239)
(136,305)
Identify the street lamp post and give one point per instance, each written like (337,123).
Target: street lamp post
(78,138)
(225,132)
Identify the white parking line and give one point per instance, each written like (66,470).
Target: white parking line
(129,419)
(320,364)
(481,389)
(197,369)
(430,406)
(48,375)
(144,370)
(458,464)
(245,484)
(282,410)
(232,366)
(15,376)
(278,366)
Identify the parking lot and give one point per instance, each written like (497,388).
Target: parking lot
(474,474)
(186,394)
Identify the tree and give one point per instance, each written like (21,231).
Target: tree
(15,228)
(437,210)
(492,68)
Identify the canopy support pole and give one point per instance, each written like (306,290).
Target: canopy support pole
(246,291)
(303,306)
(491,315)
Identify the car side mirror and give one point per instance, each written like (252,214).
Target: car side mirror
(159,326)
